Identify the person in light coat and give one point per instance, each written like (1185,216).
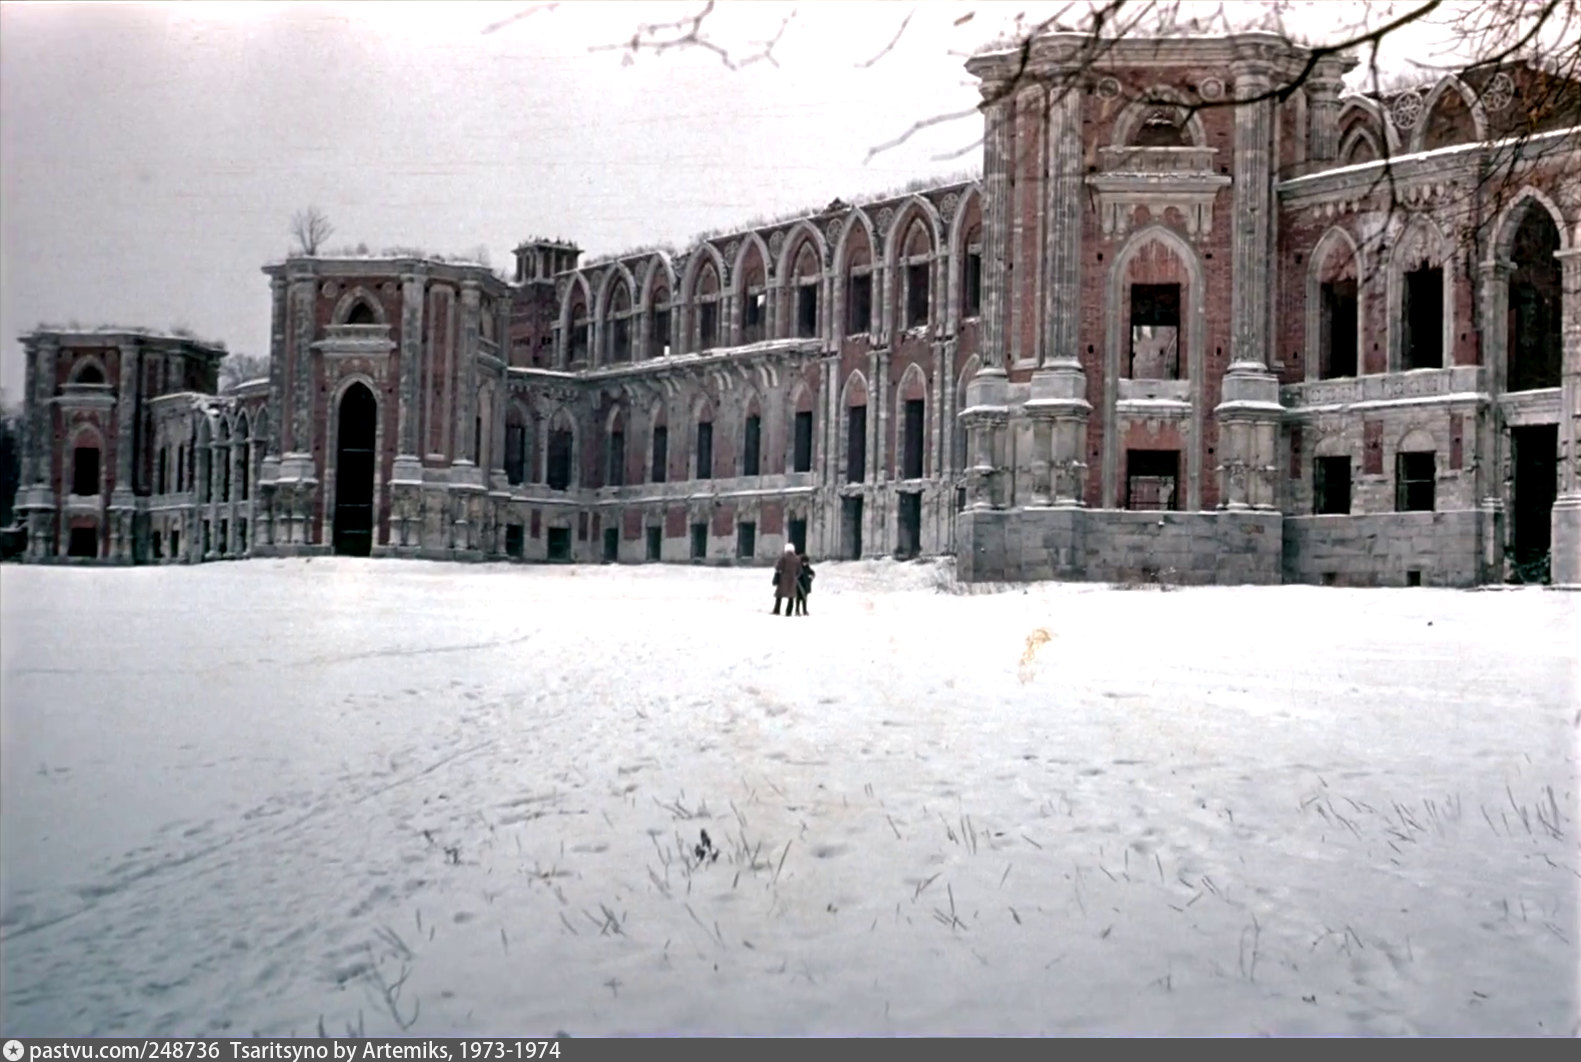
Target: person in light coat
(787,574)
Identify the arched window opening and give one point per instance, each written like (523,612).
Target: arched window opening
(705,445)
(1155,332)
(619,325)
(1535,342)
(515,449)
(808,273)
(1161,128)
(90,373)
(579,333)
(85,471)
(615,455)
(362,314)
(972,274)
(659,324)
(915,266)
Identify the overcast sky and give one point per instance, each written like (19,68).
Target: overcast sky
(151,155)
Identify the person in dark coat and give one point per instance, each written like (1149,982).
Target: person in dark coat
(787,573)
(804,585)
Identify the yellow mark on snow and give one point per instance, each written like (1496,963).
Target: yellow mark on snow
(1035,641)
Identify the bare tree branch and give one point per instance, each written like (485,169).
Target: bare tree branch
(310,228)
(893,41)
(661,37)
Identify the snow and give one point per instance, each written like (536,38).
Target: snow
(238,798)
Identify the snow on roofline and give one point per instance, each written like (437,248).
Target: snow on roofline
(1301,183)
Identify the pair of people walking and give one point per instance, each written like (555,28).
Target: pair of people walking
(793,575)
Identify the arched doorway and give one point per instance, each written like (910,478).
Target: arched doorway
(354,457)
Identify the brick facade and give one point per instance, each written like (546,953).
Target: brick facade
(1182,325)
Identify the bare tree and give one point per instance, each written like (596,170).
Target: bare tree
(238,368)
(310,228)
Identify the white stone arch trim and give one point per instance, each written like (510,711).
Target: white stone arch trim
(748,241)
(659,270)
(688,302)
(74,439)
(602,317)
(842,431)
(1449,83)
(1507,221)
(794,237)
(954,282)
(349,300)
(705,254)
(1333,443)
(1347,143)
(1150,99)
(578,283)
(905,213)
(613,276)
(898,420)
(88,361)
(960,455)
(855,219)
(1196,357)
(332,448)
(1375,120)
(1420,240)
(1334,239)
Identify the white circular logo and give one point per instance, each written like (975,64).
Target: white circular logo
(13,1050)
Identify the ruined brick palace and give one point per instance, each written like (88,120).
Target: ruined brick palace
(1316,337)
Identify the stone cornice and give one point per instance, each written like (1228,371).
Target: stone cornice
(1066,53)
(396,268)
(124,338)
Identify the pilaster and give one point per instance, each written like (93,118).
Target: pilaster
(986,414)
(123,497)
(1565,544)
(1062,306)
(1323,108)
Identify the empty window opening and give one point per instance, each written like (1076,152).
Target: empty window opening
(515,540)
(1331,486)
(659,334)
(1161,129)
(1415,476)
(707,325)
(559,543)
(241,536)
(85,470)
(89,374)
(911,440)
(158,544)
(1535,340)
(661,455)
(705,450)
(515,453)
(1330,578)
(1413,577)
(1337,356)
(225,536)
(175,544)
(559,471)
(581,527)
(1152,479)
(801,449)
(477,442)
(159,471)
(917,295)
(754,316)
(611,545)
(655,543)
(620,340)
(909,539)
(1535,456)
(859,305)
(1155,332)
(1422,315)
(798,535)
(615,474)
(244,475)
(960,499)
(972,302)
(746,540)
(807,311)
(856,444)
(751,446)
(579,337)
(208,537)
(362,314)
(83,542)
(699,541)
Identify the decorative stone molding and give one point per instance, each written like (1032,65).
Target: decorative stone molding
(1108,88)
(777,241)
(1499,93)
(1193,195)
(1211,88)
(1406,110)
(947,207)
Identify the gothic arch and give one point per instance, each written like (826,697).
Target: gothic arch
(349,302)
(856,220)
(798,234)
(1195,322)
(748,242)
(1509,220)
(705,254)
(1336,240)
(1363,112)
(1359,146)
(609,284)
(86,365)
(1422,243)
(1155,100)
(960,459)
(659,273)
(913,384)
(900,228)
(1449,83)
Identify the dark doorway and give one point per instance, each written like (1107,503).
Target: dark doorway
(1152,479)
(851,527)
(798,536)
(910,544)
(1535,329)
(655,543)
(514,540)
(1422,345)
(911,440)
(699,541)
(801,454)
(559,543)
(611,545)
(1338,323)
(1535,451)
(354,455)
(83,542)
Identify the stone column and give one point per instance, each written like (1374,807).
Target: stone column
(987,392)
(1323,119)
(466,377)
(36,500)
(123,496)
(1249,410)
(1565,547)
(277,368)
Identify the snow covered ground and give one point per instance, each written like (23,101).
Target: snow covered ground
(261,797)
